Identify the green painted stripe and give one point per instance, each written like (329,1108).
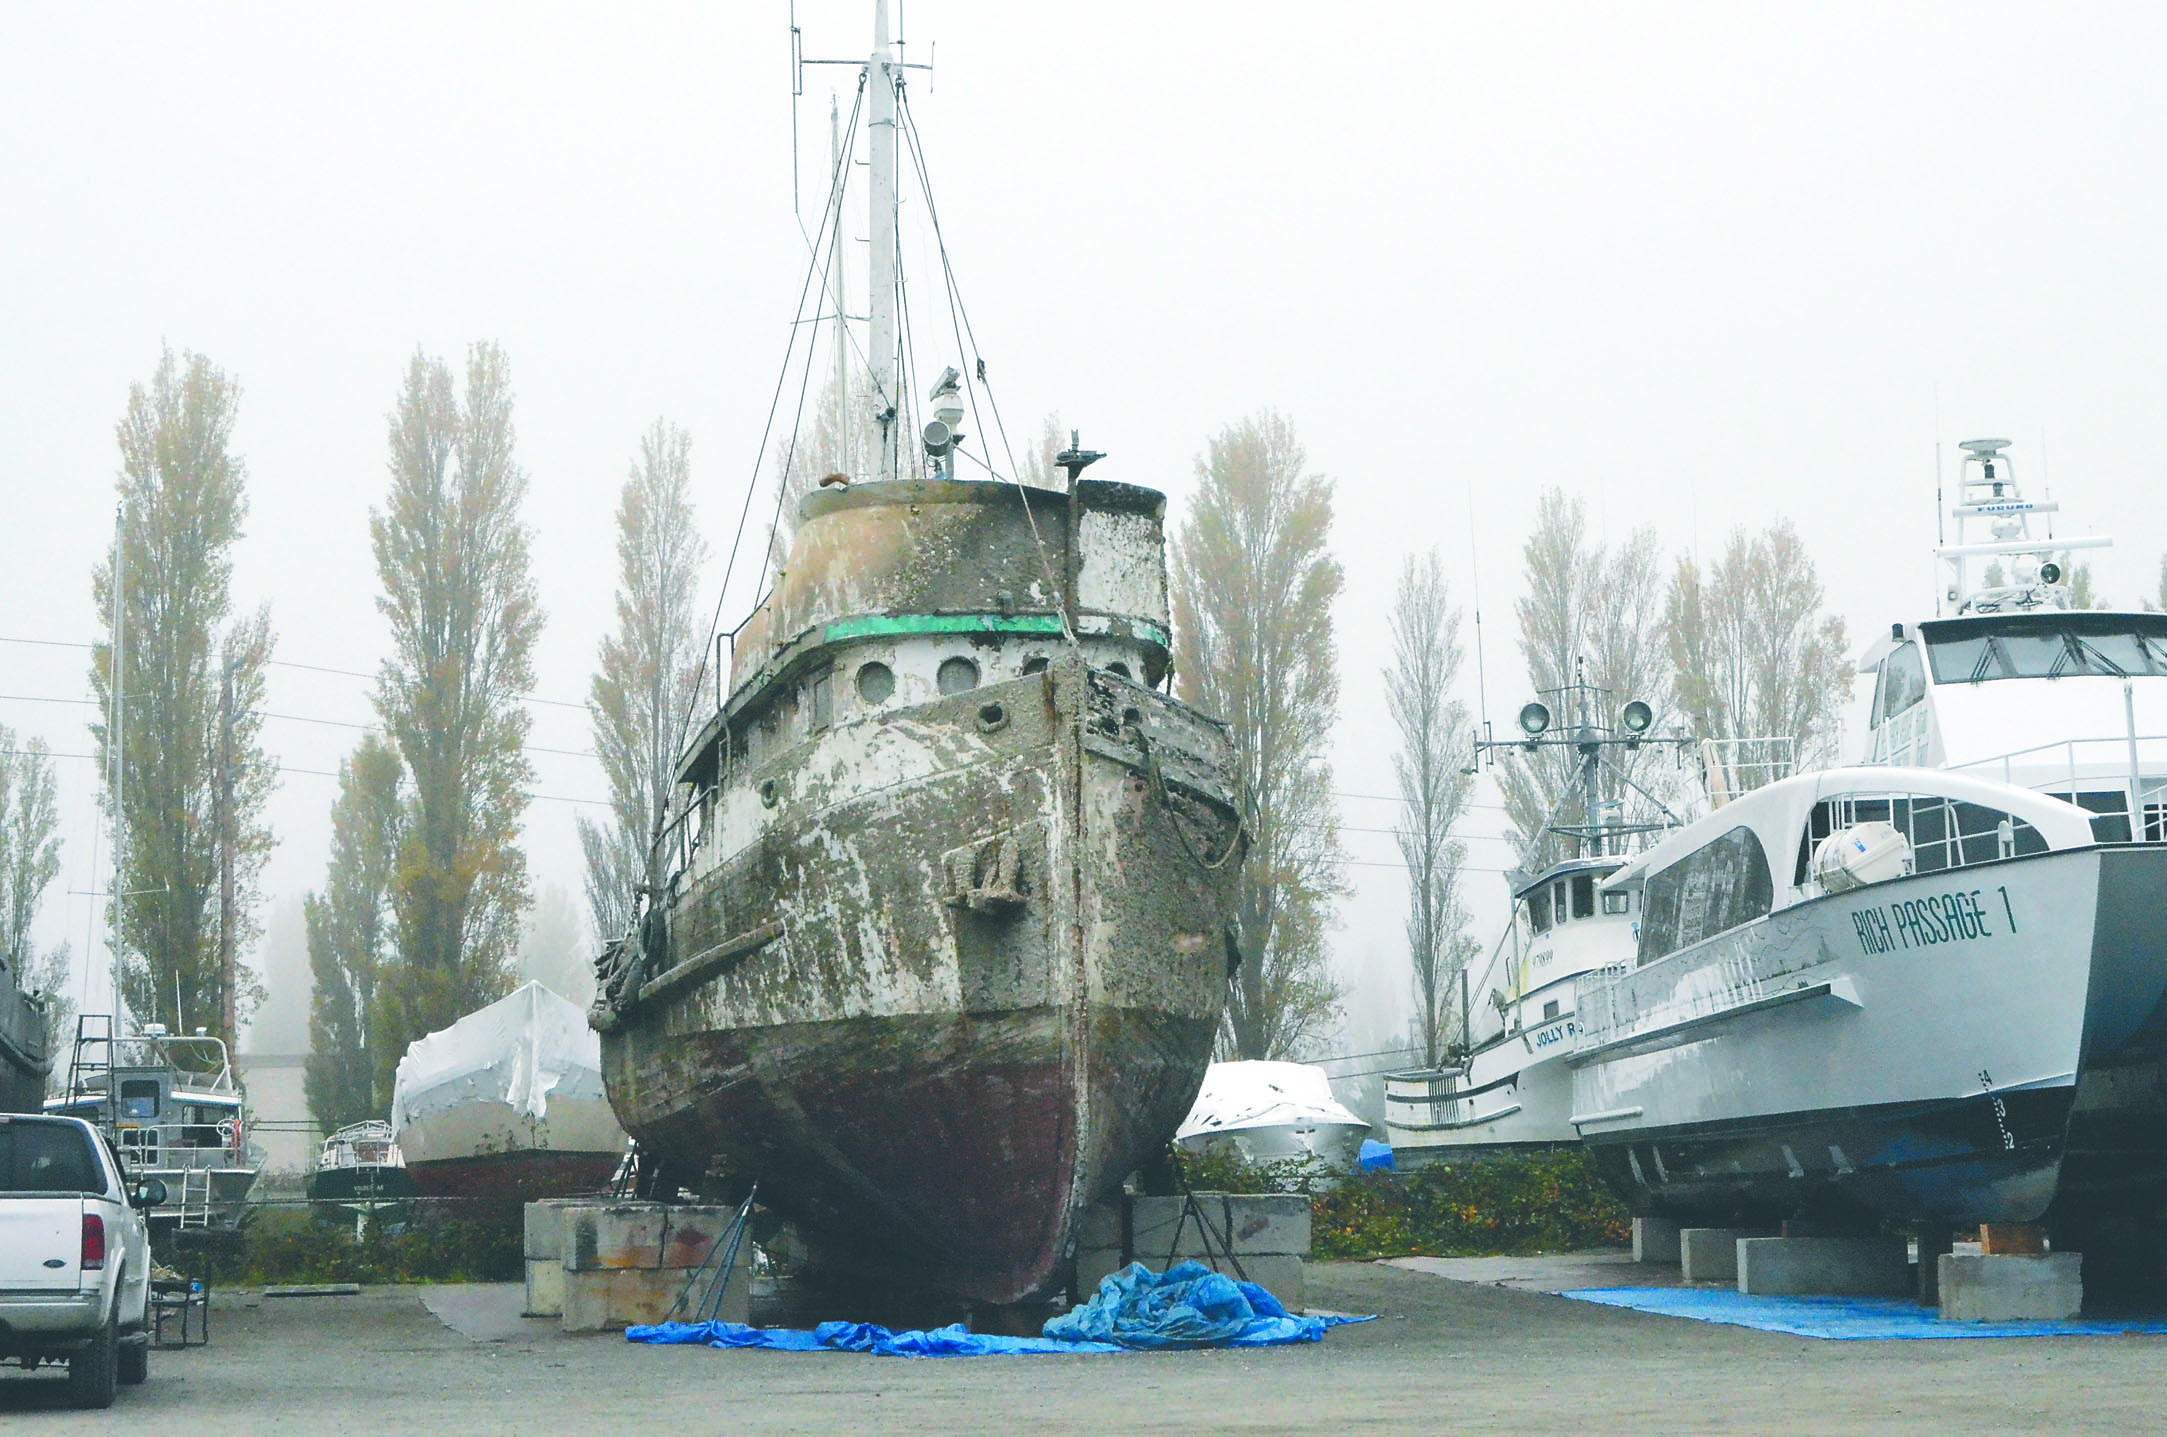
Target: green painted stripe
(944,624)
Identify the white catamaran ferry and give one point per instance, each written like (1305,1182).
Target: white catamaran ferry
(1929,988)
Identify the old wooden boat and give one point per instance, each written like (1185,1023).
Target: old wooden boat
(941,953)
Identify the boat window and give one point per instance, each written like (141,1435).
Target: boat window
(1583,895)
(1617,903)
(1117,667)
(875,682)
(48,1158)
(821,691)
(1709,891)
(1036,664)
(1538,909)
(1902,684)
(139,1098)
(1549,1010)
(2109,810)
(1944,833)
(2046,646)
(957,675)
(1558,905)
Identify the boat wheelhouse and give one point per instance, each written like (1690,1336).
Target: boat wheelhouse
(173,1111)
(1895,993)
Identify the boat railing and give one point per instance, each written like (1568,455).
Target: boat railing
(2060,766)
(1596,1006)
(1734,766)
(170,1146)
(1431,1097)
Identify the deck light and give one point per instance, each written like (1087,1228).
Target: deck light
(1534,719)
(1638,717)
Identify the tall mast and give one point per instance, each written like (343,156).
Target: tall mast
(880,300)
(116,738)
(845,421)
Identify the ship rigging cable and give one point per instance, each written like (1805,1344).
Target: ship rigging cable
(833,213)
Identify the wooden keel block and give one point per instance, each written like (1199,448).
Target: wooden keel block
(2012,1239)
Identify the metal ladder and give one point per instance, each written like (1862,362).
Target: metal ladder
(195,1197)
(93,1050)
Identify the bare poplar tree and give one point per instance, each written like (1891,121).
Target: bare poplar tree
(644,676)
(1433,789)
(1253,585)
(29,862)
(1592,612)
(182,495)
(838,441)
(1036,467)
(351,932)
(1754,656)
(451,551)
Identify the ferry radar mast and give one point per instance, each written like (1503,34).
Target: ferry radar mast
(1987,492)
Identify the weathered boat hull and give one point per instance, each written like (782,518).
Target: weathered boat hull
(956,973)
(2017,1075)
(527,1175)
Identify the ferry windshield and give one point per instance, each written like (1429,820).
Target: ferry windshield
(2047,646)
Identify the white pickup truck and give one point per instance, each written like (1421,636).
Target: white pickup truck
(74,1256)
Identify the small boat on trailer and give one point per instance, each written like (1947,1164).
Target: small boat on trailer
(1889,994)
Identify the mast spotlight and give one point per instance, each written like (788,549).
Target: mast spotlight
(1534,718)
(1638,717)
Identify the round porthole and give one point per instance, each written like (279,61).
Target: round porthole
(1120,668)
(769,792)
(957,675)
(1035,665)
(875,682)
(992,718)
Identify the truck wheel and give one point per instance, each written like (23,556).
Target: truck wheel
(93,1371)
(134,1362)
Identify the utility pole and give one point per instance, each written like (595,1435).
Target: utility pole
(117,771)
(226,1017)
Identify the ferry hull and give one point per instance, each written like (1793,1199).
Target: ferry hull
(2014,1072)
(979,983)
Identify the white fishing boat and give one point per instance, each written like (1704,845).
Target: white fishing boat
(1271,1112)
(507,1102)
(1884,993)
(1511,1091)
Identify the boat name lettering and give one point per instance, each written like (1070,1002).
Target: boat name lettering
(1555,1033)
(1922,922)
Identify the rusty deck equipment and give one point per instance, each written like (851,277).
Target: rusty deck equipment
(944,949)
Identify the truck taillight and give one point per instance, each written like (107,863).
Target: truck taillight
(93,1242)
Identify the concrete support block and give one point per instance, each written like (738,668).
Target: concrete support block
(1655,1240)
(1710,1254)
(1824,1266)
(608,1300)
(544,1226)
(1267,1223)
(611,1236)
(1279,1274)
(1997,1287)
(1094,1265)
(545,1287)
(1100,1225)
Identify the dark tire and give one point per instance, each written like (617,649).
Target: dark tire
(94,1371)
(134,1362)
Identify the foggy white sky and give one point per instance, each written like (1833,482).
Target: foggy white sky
(1704,265)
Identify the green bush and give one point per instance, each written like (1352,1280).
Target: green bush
(478,1243)
(1541,1202)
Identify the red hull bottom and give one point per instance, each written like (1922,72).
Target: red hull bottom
(516,1177)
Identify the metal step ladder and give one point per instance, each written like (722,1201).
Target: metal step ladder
(195,1197)
(93,1050)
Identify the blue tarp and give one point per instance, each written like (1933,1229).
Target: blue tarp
(1134,1310)
(1841,1318)
(1375,1155)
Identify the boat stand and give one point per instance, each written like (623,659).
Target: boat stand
(1215,1243)
(701,1303)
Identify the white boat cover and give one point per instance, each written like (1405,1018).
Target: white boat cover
(1245,1095)
(520,1057)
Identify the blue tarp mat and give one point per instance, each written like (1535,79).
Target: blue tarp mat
(1844,1319)
(1375,1155)
(1134,1310)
